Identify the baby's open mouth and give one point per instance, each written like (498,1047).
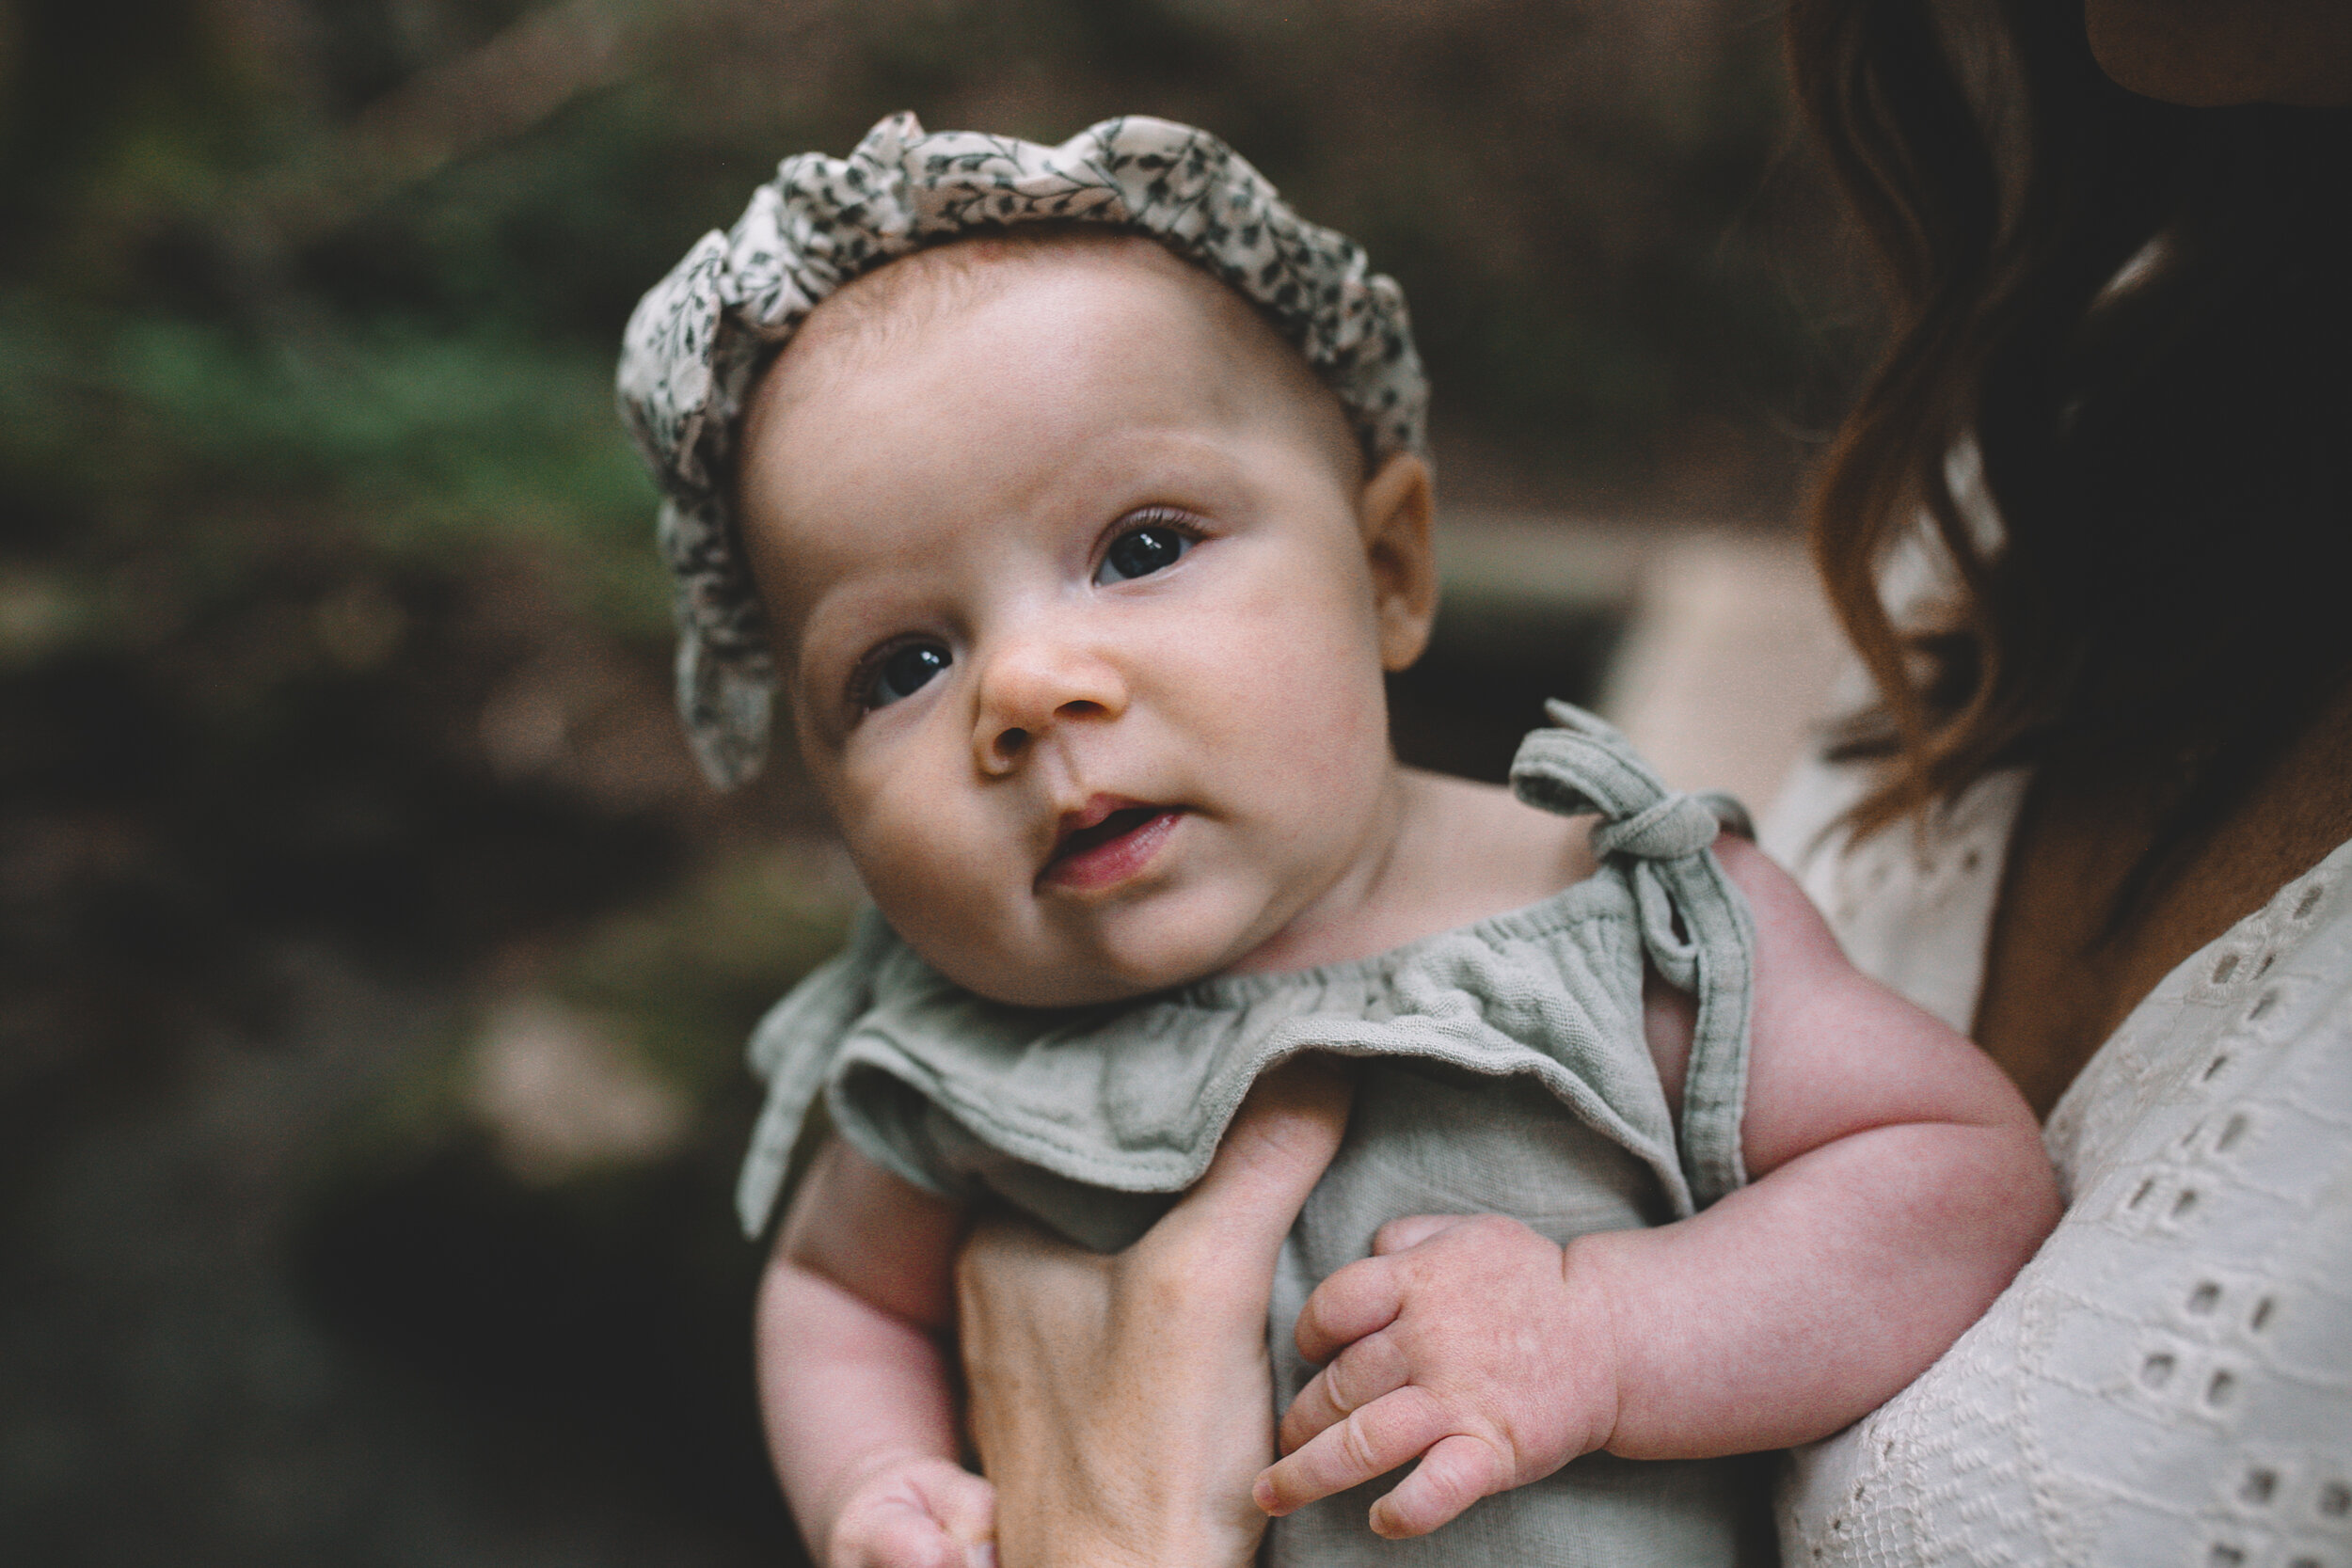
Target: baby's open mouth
(1110,849)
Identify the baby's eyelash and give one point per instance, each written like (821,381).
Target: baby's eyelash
(1143,543)
(1158,515)
(858,692)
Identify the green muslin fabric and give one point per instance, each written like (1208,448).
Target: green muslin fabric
(1503,1070)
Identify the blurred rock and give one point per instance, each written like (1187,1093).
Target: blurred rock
(561,1096)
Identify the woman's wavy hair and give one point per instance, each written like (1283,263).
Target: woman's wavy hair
(2136,318)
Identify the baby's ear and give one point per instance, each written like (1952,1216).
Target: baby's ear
(1395,518)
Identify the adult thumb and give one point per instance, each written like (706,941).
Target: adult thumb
(1270,1159)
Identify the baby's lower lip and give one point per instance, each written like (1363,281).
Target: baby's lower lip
(1113,850)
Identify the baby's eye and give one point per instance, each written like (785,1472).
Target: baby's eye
(903,673)
(1138,552)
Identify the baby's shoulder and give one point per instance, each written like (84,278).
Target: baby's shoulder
(1474,850)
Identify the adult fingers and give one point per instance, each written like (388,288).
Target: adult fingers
(1007,1250)
(1270,1159)
(1360,1374)
(1410,1232)
(1456,1472)
(1027,1303)
(1371,1442)
(1014,1278)
(1363,1298)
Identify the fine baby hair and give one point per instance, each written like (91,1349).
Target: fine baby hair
(697,341)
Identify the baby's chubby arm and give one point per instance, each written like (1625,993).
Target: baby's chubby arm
(1897,1184)
(854,1379)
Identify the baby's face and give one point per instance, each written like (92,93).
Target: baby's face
(1084,614)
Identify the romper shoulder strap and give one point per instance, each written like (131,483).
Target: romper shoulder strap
(1694,923)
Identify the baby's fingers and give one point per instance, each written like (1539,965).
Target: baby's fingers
(1365,1370)
(1370,1442)
(964,1503)
(1410,1232)
(1363,1298)
(898,1533)
(932,1514)
(1453,1475)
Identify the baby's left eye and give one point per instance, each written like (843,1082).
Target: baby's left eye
(1138,552)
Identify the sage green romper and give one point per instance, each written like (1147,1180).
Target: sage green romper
(1503,1070)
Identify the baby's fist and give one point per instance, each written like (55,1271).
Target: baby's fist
(917,1514)
(1468,1341)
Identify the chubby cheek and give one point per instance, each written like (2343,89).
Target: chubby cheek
(1298,697)
(925,862)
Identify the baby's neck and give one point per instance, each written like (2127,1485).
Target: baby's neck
(1453,853)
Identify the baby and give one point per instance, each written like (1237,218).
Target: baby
(1080,487)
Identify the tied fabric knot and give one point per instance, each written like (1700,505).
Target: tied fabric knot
(1695,925)
(1666,830)
(1584,763)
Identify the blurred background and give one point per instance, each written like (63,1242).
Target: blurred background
(374,966)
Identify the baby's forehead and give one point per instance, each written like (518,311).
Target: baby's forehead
(1160,309)
(941,278)
(866,319)
(1092,307)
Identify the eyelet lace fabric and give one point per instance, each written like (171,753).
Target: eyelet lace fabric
(698,338)
(2169,1383)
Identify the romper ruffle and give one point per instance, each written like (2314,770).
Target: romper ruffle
(1091,1118)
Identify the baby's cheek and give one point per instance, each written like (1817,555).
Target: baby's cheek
(918,863)
(1299,682)
(1322,735)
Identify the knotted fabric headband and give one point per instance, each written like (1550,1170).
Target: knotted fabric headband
(698,338)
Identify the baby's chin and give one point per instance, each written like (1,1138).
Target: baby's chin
(1078,980)
(1059,955)
(1060,983)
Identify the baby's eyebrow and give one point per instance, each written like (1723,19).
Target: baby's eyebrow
(806,649)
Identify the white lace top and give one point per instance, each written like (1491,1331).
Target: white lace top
(2169,1383)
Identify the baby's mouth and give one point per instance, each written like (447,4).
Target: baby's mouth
(1106,843)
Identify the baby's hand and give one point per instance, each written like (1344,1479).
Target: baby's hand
(1468,1341)
(923,1512)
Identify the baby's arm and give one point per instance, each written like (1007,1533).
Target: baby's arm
(1899,1184)
(853,1383)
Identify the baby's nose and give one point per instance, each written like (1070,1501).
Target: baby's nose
(1029,687)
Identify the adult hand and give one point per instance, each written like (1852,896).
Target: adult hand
(1123,1404)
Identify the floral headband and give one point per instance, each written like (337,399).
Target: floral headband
(698,338)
